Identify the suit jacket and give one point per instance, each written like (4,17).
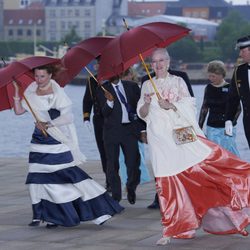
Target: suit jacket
(90,100)
(113,116)
(239,91)
(181,74)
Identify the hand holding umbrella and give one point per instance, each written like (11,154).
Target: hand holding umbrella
(107,94)
(40,125)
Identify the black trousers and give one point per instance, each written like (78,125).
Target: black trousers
(98,121)
(128,142)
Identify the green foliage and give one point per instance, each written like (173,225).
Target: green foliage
(8,49)
(186,50)
(223,48)
(230,29)
(210,54)
(71,38)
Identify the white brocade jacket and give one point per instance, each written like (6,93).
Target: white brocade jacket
(166,156)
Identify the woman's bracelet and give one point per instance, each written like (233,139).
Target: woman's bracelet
(16,99)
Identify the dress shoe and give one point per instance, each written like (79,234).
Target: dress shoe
(51,225)
(131,196)
(34,223)
(163,241)
(154,205)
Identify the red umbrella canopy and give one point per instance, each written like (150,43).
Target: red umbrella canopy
(7,91)
(80,55)
(22,71)
(25,66)
(123,51)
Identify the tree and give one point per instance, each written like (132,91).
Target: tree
(231,28)
(186,50)
(72,37)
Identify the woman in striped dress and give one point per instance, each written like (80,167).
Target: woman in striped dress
(61,193)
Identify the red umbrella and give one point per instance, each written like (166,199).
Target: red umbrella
(21,71)
(80,55)
(128,48)
(7,91)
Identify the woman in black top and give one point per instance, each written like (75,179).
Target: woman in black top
(214,104)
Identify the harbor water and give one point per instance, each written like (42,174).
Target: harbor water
(15,131)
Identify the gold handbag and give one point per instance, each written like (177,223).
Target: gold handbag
(184,135)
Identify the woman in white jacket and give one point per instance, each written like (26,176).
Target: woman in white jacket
(197,182)
(61,193)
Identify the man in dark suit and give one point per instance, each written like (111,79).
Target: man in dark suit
(184,76)
(121,129)
(90,102)
(239,90)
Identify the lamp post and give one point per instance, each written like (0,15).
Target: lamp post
(103,27)
(34,38)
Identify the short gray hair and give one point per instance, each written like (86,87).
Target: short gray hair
(216,67)
(162,51)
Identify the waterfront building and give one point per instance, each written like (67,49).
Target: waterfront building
(24,25)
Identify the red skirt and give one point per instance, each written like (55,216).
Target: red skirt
(214,195)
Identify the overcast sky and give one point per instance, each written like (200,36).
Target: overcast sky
(233,1)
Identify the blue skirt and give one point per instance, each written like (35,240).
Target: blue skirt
(62,193)
(218,136)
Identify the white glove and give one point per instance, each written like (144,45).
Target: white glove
(229,128)
(87,124)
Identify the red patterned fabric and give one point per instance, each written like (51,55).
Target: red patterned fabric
(214,195)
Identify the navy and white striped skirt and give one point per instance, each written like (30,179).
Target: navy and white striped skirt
(62,193)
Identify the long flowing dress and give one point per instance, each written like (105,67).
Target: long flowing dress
(199,184)
(60,191)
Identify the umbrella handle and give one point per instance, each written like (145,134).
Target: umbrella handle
(95,78)
(150,78)
(32,111)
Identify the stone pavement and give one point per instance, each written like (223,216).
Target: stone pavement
(136,228)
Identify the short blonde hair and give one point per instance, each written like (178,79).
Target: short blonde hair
(216,67)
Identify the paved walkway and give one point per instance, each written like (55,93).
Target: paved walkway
(136,228)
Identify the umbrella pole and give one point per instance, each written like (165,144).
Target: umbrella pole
(32,111)
(150,78)
(95,78)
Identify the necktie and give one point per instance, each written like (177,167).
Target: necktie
(131,114)
(122,98)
